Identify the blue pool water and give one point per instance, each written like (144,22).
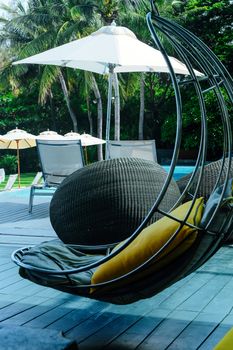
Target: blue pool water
(180,170)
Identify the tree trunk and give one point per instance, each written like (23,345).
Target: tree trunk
(89,116)
(52,111)
(142,107)
(67,99)
(116,107)
(99,116)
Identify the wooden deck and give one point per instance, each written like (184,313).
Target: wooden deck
(192,314)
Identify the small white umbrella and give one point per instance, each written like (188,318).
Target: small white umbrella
(18,139)
(86,140)
(2,139)
(72,135)
(49,135)
(111,49)
(89,140)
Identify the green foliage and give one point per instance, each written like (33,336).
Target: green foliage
(9,163)
(45,24)
(211,20)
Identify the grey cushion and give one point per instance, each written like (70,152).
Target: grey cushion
(56,256)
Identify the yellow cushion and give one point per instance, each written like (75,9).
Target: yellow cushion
(226,343)
(150,240)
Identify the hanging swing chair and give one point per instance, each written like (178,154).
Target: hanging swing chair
(186,235)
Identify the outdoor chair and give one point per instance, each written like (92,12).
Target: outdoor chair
(37,179)
(10,182)
(2,175)
(144,149)
(160,253)
(58,159)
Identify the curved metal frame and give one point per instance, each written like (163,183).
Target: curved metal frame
(192,51)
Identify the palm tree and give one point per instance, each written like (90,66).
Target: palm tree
(46,24)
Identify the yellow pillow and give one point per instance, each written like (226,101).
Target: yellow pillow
(150,240)
(226,343)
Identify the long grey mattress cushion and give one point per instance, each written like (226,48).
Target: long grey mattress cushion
(54,255)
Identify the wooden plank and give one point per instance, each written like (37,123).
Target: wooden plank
(128,315)
(46,292)
(191,286)
(20,306)
(6,300)
(218,333)
(108,333)
(6,265)
(22,241)
(167,331)
(24,338)
(91,325)
(212,340)
(204,295)
(52,314)
(196,332)
(137,332)
(223,301)
(23,288)
(77,316)
(39,315)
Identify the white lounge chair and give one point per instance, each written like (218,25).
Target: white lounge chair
(58,159)
(10,182)
(144,149)
(2,175)
(37,179)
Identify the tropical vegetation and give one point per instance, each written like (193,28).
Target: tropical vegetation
(62,99)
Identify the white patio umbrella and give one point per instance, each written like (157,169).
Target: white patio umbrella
(49,135)
(111,49)
(72,135)
(89,140)
(18,139)
(86,140)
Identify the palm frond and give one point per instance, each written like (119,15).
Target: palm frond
(41,43)
(49,76)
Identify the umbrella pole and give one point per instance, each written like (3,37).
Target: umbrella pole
(18,161)
(109,107)
(85,152)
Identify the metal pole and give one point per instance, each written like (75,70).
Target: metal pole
(109,108)
(18,161)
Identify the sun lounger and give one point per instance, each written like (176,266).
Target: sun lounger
(58,159)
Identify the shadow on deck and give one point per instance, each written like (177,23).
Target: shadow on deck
(192,314)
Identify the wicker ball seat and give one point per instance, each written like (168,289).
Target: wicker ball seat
(210,177)
(105,202)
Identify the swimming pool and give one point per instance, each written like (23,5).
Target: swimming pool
(180,170)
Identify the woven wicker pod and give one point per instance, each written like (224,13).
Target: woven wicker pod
(106,201)
(210,176)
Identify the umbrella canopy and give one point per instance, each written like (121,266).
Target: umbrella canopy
(88,140)
(111,49)
(17,139)
(72,135)
(49,135)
